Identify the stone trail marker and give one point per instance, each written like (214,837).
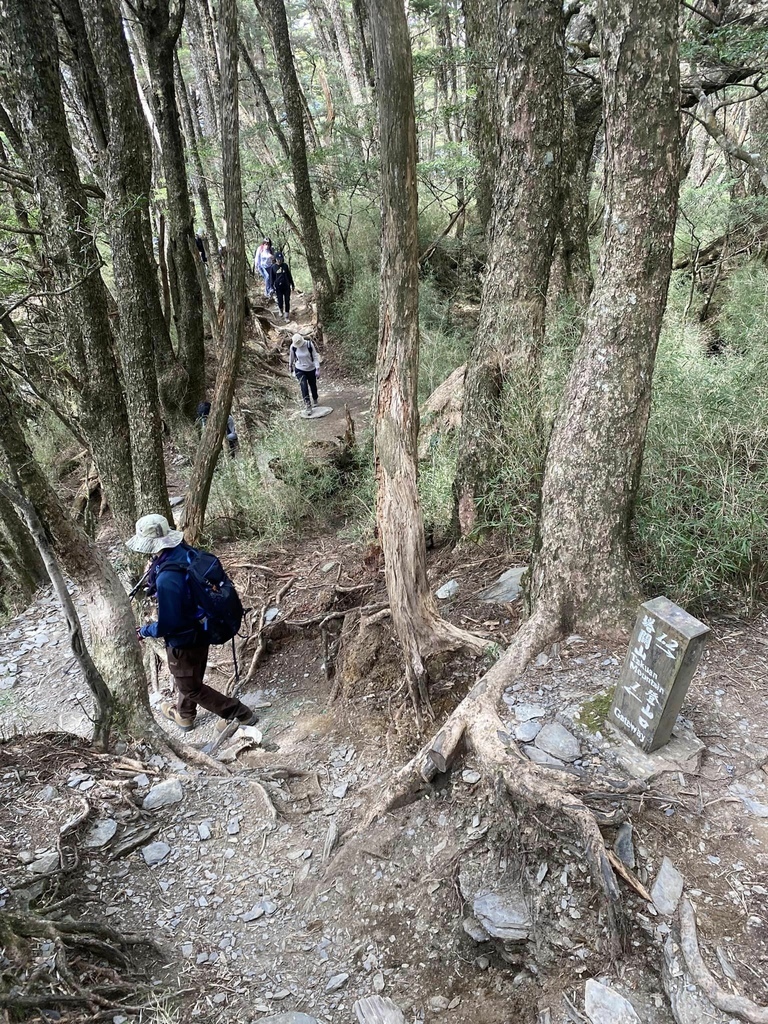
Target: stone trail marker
(663,654)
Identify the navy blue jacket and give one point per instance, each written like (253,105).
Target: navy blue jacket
(176,610)
(280,277)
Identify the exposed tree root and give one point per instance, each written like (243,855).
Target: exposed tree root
(475,725)
(741,1006)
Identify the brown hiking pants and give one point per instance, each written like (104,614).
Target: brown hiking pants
(187,665)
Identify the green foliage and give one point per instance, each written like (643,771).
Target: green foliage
(436,475)
(701,524)
(285,483)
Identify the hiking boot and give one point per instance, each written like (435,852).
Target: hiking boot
(170,712)
(223,723)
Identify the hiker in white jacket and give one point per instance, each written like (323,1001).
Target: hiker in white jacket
(304,363)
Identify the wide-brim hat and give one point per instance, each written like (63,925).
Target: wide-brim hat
(153,534)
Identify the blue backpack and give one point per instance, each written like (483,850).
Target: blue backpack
(219,609)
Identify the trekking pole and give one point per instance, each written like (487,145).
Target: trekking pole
(234,661)
(136,589)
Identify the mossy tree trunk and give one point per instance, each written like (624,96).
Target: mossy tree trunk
(231,348)
(521,234)
(30,56)
(581,568)
(161,25)
(276,24)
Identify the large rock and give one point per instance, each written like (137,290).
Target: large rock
(377,1010)
(506,588)
(526,732)
(504,915)
(45,864)
(542,757)
(605,1006)
(555,740)
(169,791)
(525,712)
(667,889)
(100,833)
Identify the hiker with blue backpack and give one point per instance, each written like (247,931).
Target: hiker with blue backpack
(197,605)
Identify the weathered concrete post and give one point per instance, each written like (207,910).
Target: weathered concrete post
(665,649)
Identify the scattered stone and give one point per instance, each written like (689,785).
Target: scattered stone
(378,982)
(506,588)
(47,793)
(100,834)
(289,1018)
(154,853)
(605,1006)
(753,793)
(141,780)
(667,889)
(503,915)
(253,914)
(271,614)
(527,732)
(340,791)
(449,589)
(328,566)
(474,929)
(233,826)
(45,864)
(623,847)
(525,712)
(164,793)
(439,1003)
(204,831)
(542,757)
(556,741)
(482,962)
(25,856)
(542,660)
(470,777)
(375,1010)
(336,982)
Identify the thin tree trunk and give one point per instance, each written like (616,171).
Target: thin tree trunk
(521,237)
(198,179)
(420,629)
(24,559)
(206,70)
(31,61)
(128,183)
(360,14)
(351,73)
(264,101)
(234,288)
(91,675)
(114,648)
(161,29)
(481,26)
(581,569)
(276,21)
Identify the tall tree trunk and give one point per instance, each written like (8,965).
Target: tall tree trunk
(128,184)
(276,22)
(264,101)
(360,14)
(114,647)
(161,29)
(420,629)
(581,569)
(18,549)
(521,236)
(30,57)
(351,73)
(481,27)
(206,63)
(582,116)
(198,178)
(234,289)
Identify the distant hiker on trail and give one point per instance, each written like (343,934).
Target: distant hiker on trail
(187,628)
(201,417)
(304,363)
(262,262)
(281,283)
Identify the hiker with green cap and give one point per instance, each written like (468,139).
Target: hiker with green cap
(179,625)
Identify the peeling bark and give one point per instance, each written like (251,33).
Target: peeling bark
(420,629)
